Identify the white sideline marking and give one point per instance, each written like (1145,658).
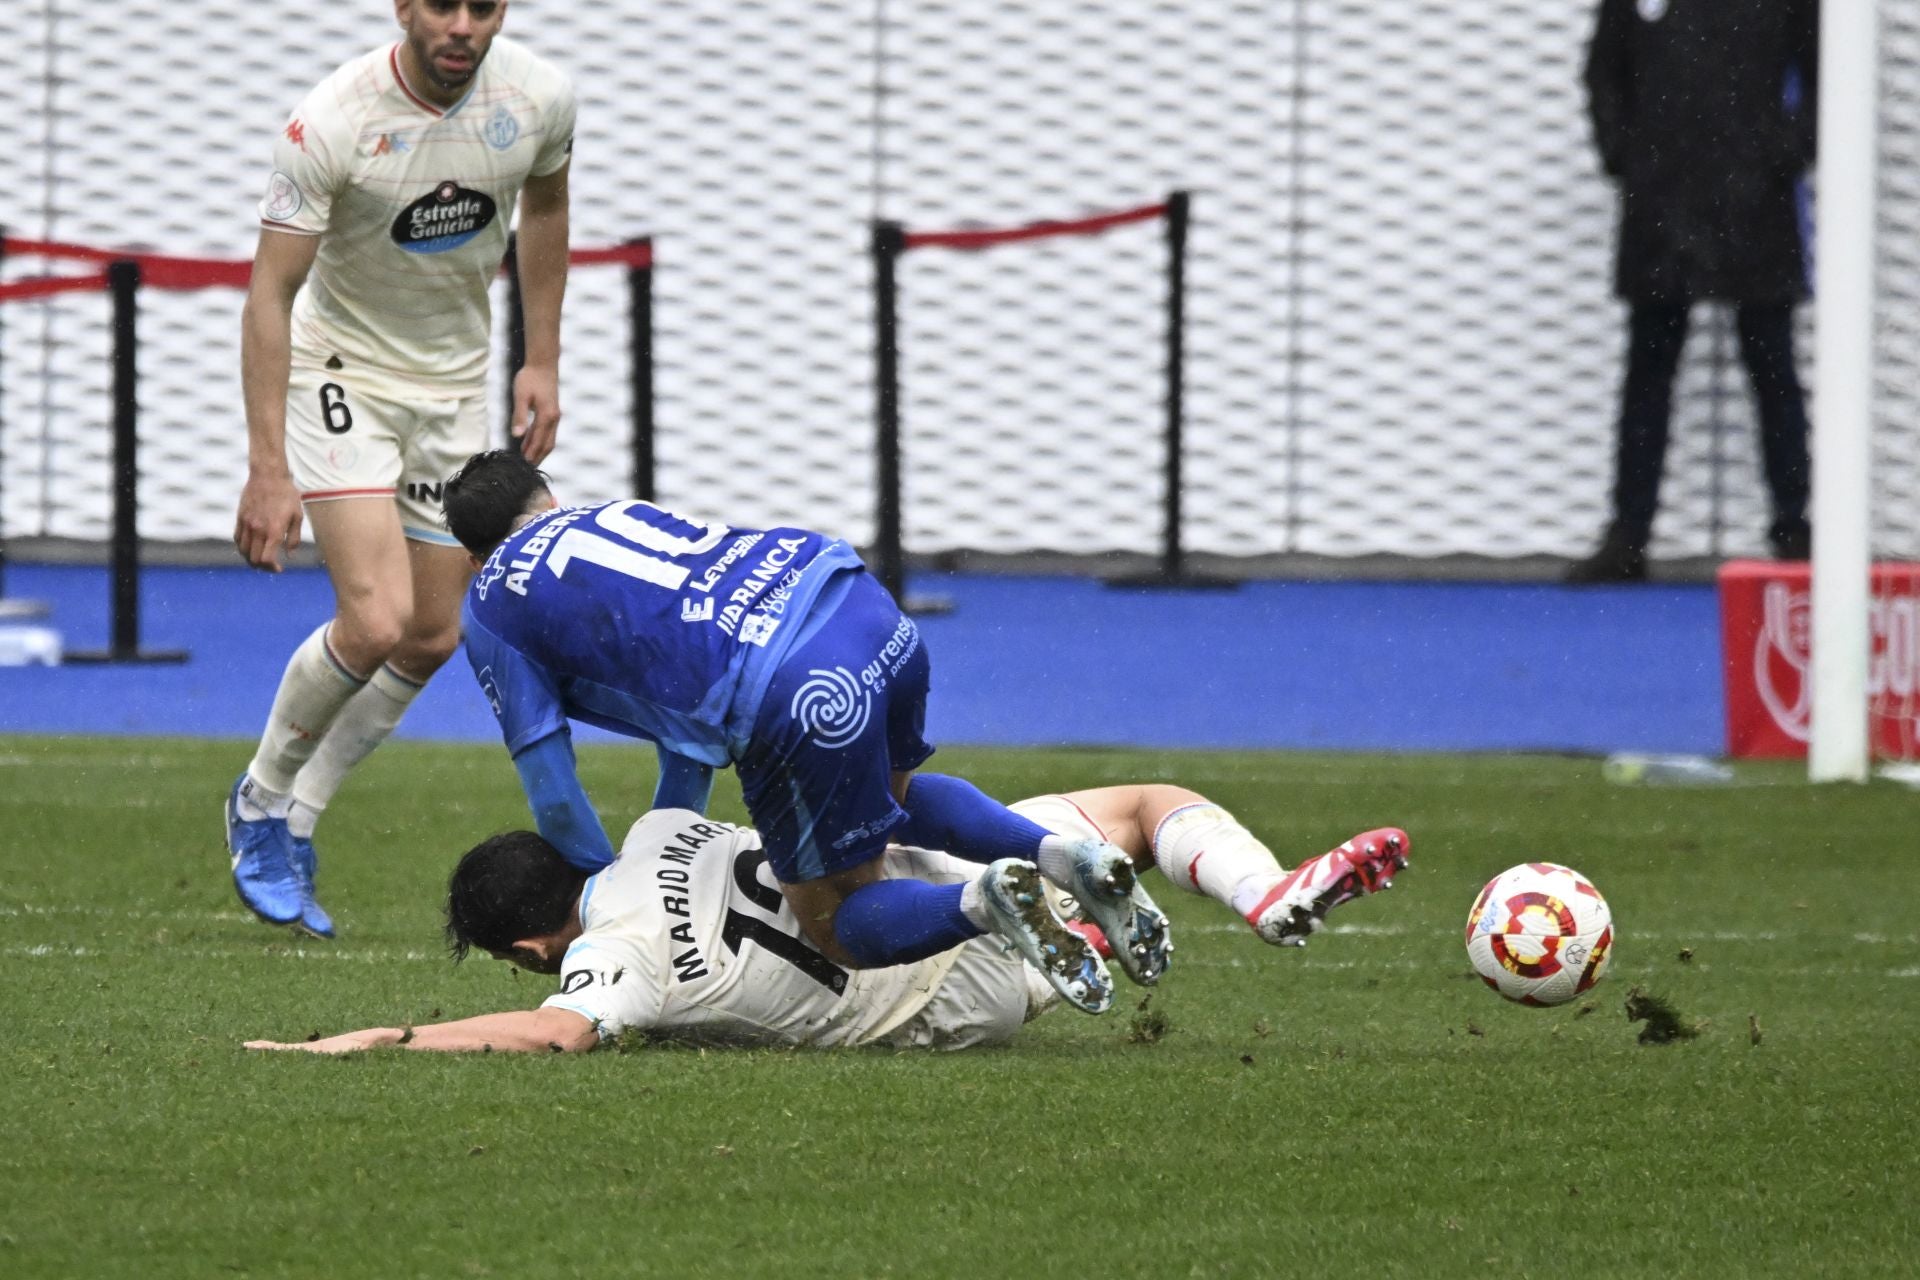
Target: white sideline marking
(120,913)
(266,951)
(1687,939)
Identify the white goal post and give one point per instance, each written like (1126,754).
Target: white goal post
(1844,324)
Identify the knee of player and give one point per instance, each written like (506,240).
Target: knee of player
(429,647)
(372,625)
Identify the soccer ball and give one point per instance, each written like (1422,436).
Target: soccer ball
(1540,934)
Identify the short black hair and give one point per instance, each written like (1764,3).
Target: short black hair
(508,887)
(487,494)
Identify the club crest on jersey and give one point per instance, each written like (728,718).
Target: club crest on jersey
(445,218)
(501,130)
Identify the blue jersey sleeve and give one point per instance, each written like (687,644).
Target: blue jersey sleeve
(683,784)
(561,811)
(521,694)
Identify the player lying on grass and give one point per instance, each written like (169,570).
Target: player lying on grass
(777,653)
(686,939)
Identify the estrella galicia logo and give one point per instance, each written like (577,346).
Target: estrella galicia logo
(445,218)
(501,129)
(575,981)
(832,707)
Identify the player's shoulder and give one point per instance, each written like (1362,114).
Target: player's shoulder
(679,834)
(539,78)
(335,107)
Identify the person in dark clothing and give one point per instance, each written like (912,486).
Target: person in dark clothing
(1703,112)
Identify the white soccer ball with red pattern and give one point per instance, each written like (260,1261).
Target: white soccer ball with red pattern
(1540,934)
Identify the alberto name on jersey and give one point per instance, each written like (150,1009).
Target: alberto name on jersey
(630,618)
(411,203)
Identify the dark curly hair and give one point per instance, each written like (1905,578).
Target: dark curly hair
(508,887)
(487,494)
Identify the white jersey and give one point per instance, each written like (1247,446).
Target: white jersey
(688,937)
(411,203)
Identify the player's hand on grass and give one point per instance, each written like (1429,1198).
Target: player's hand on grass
(536,410)
(350,1042)
(268,519)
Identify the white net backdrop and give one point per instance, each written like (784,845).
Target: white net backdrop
(1400,335)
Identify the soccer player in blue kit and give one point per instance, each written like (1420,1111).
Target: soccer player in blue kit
(776,652)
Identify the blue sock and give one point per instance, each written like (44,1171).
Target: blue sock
(893,922)
(951,814)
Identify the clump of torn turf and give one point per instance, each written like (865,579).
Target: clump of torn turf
(1149,1025)
(1664,1023)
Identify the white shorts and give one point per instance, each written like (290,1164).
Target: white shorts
(349,439)
(982,1000)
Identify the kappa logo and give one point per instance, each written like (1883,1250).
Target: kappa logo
(297,133)
(501,130)
(832,707)
(496,569)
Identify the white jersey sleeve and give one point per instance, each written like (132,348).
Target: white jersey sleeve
(310,156)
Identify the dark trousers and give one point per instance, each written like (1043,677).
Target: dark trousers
(1656,332)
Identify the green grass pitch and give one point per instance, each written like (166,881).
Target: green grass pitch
(1359,1108)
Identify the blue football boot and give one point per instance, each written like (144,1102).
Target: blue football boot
(313,917)
(263,870)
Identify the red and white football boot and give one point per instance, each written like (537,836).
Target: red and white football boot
(1297,905)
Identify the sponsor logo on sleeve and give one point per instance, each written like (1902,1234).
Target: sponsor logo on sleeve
(575,981)
(445,218)
(283,198)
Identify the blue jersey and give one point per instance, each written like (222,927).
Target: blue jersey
(634,619)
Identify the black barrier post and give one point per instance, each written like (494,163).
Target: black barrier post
(516,330)
(889,242)
(123,283)
(1173,562)
(640,335)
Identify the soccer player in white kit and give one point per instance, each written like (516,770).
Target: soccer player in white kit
(687,938)
(364,349)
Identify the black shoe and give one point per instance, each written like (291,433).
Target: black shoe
(1791,539)
(1617,560)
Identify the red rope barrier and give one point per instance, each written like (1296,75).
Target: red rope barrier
(164,271)
(47,286)
(1032,231)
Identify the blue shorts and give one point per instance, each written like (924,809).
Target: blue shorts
(844,712)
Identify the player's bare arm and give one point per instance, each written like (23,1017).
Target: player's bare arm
(542,1030)
(269,514)
(542,250)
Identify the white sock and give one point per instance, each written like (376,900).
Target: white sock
(973,904)
(1202,849)
(363,724)
(1055,857)
(315,686)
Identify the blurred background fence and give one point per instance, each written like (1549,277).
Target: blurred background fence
(1401,341)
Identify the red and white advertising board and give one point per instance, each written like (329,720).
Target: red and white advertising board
(1766,631)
